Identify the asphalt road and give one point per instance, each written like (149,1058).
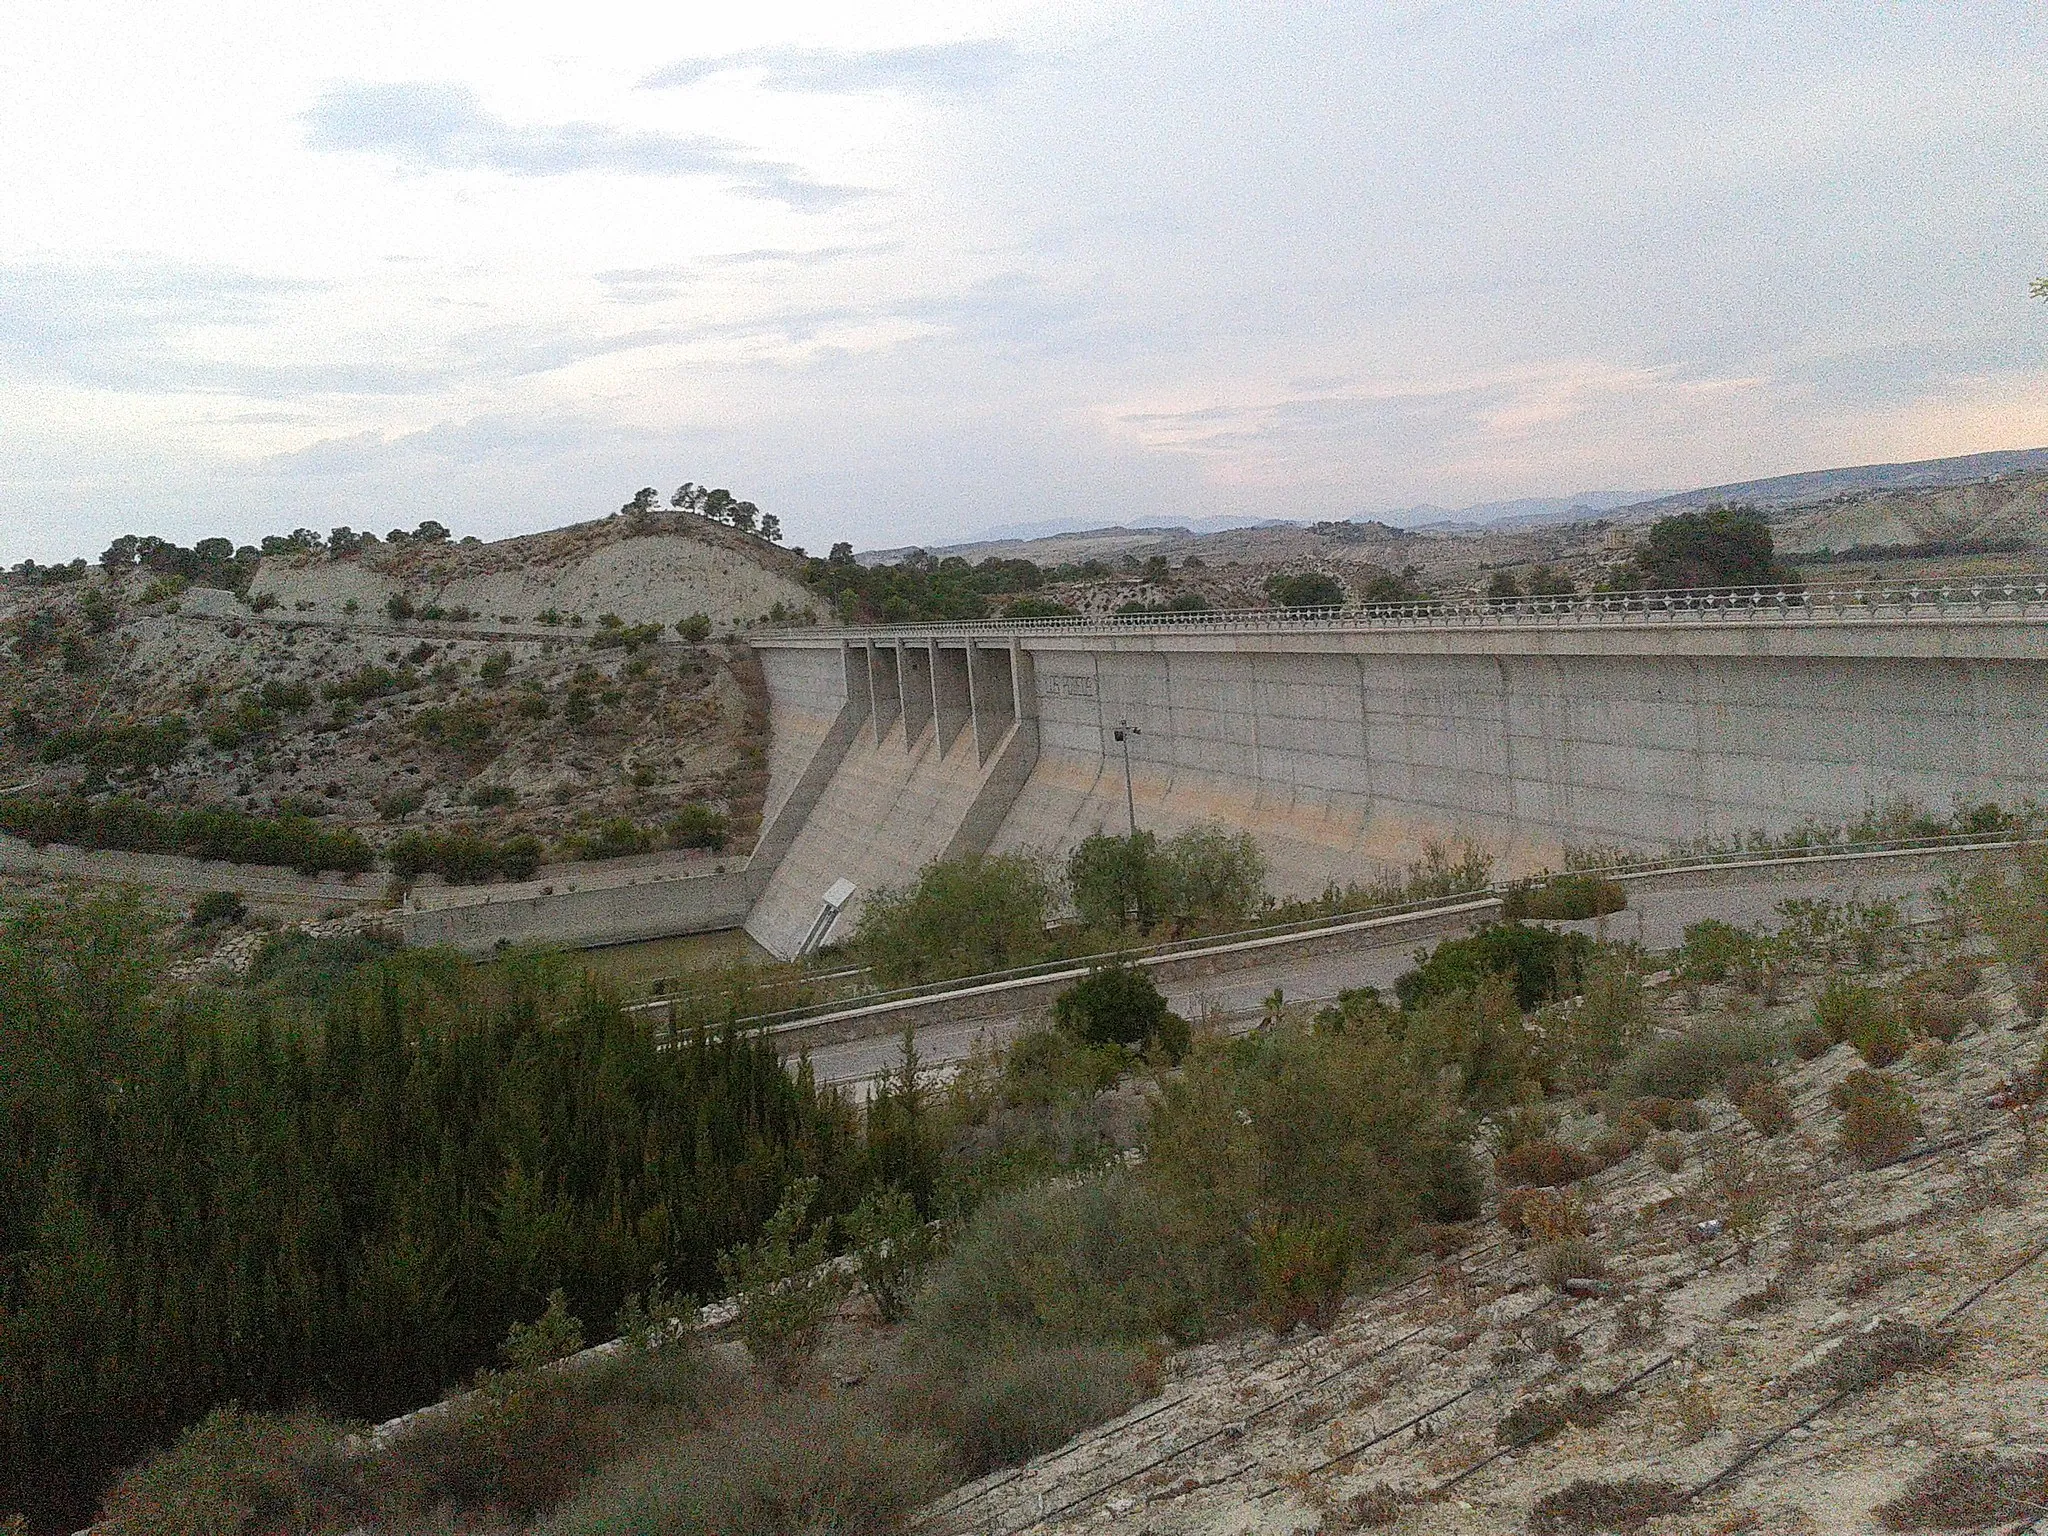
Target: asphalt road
(1656,919)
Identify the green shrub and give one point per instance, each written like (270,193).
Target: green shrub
(1214,874)
(1713,948)
(627,637)
(368,682)
(462,858)
(1101,1261)
(1477,1039)
(696,628)
(464,729)
(1121,1005)
(495,667)
(1879,1118)
(1541,962)
(1308,589)
(1694,1063)
(1291,1125)
(962,917)
(219,907)
(1562,898)
(1586,1037)
(793,1464)
(1303,1266)
(492,796)
(786,1291)
(696,825)
(1117,881)
(525,1438)
(1852,1012)
(112,748)
(238,1474)
(893,1247)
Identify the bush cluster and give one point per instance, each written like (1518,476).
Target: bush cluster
(1563,898)
(463,858)
(1848,1011)
(1542,962)
(153,744)
(960,918)
(1121,1005)
(1206,874)
(294,842)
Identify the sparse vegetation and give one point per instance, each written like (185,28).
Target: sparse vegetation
(1964,1490)
(1879,1118)
(1588,1506)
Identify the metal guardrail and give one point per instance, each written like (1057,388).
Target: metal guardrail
(2010,597)
(1302,927)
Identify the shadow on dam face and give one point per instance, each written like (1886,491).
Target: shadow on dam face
(1343,752)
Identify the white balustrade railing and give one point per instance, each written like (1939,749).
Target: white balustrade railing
(2009,597)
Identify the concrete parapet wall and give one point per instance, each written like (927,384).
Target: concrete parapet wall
(577,919)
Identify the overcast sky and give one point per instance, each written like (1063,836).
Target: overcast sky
(901,272)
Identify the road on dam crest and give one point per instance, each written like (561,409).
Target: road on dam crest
(1655,918)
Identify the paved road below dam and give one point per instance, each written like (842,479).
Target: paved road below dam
(1657,918)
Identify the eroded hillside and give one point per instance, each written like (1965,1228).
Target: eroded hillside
(582,688)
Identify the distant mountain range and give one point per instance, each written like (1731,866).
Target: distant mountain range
(1540,511)
(1819,484)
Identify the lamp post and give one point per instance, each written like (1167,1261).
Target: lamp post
(1124,732)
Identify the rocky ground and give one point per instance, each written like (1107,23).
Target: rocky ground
(1869,1322)
(515,707)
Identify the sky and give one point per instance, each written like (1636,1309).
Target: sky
(901,272)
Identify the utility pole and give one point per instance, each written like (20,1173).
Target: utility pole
(1124,732)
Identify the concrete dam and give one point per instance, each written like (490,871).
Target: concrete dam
(1342,740)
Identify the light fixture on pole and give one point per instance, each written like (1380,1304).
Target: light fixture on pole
(1124,732)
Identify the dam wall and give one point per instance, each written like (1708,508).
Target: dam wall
(1342,747)
(930,752)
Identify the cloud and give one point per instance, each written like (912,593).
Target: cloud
(52,314)
(129,324)
(432,126)
(655,285)
(969,65)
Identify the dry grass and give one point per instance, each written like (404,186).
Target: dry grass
(793,1464)
(1768,1108)
(1538,1418)
(1863,1360)
(1569,1258)
(1587,1506)
(1543,1214)
(239,1474)
(1546,1163)
(1379,1505)
(1960,1491)
(1694,1409)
